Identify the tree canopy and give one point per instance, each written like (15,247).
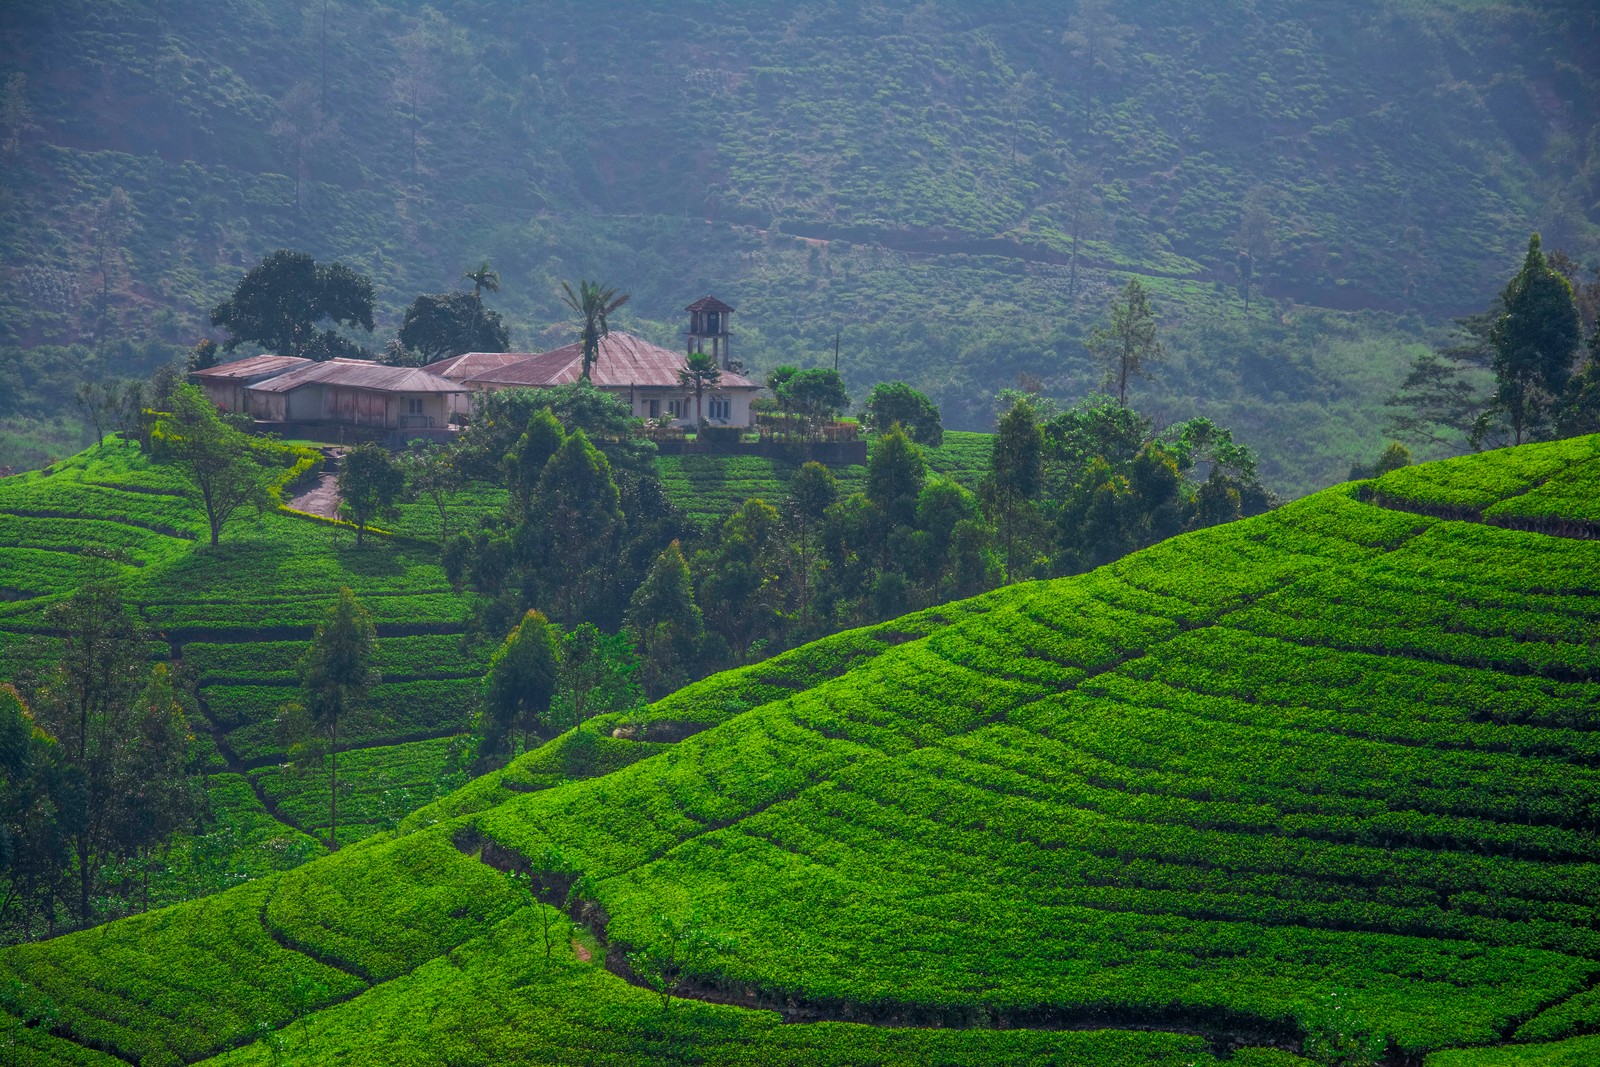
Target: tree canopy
(1126,343)
(700,372)
(280,302)
(1535,341)
(121,730)
(816,394)
(666,623)
(218,461)
(594,303)
(370,483)
(518,687)
(336,673)
(896,402)
(449,324)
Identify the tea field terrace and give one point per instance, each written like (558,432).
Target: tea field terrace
(1328,771)
(710,487)
(236,616)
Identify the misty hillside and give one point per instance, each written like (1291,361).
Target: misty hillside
(954,188)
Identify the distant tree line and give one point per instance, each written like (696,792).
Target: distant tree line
(95,769)
(291,305)
(1527,368)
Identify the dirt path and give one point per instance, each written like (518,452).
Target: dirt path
(321,499)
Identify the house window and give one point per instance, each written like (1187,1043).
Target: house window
(655,409)
(678,409)
(414,405)
(721,409)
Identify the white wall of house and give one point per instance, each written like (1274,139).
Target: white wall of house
(730,407)
(418,411)
(719,407)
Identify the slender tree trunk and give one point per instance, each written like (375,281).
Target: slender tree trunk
(1007,522)
(805,579)
(85,877)
(333,789)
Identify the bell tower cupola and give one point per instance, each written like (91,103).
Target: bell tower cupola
(708,329)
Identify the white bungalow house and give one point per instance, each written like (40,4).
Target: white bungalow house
(643,374)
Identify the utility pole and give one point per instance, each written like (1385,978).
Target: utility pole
(836,351)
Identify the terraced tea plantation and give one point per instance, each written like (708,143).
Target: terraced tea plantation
(1318,786)
(710,487)
(237,616)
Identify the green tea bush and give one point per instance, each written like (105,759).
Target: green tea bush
(385,909)
(218,972)
(1568,496)
(1464,487)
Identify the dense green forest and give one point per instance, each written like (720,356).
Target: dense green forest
(954,191)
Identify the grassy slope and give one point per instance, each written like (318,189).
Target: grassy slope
(278,573)
(1326,768)
(237,616)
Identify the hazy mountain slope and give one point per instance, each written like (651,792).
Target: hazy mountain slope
(936,162)
(1325,771)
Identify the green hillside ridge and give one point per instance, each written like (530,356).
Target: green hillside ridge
(956,188)
(236,617)
(1319,782)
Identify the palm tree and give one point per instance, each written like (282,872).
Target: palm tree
(484,279)
(594,302)
(699,373)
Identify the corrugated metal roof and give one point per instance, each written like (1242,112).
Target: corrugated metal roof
(252,367)
(360,374)
(460,368)
(625,360)
(708,303)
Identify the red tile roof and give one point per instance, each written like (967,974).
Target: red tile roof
(360,374)
(708,303)
(625,360)
(263,366)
